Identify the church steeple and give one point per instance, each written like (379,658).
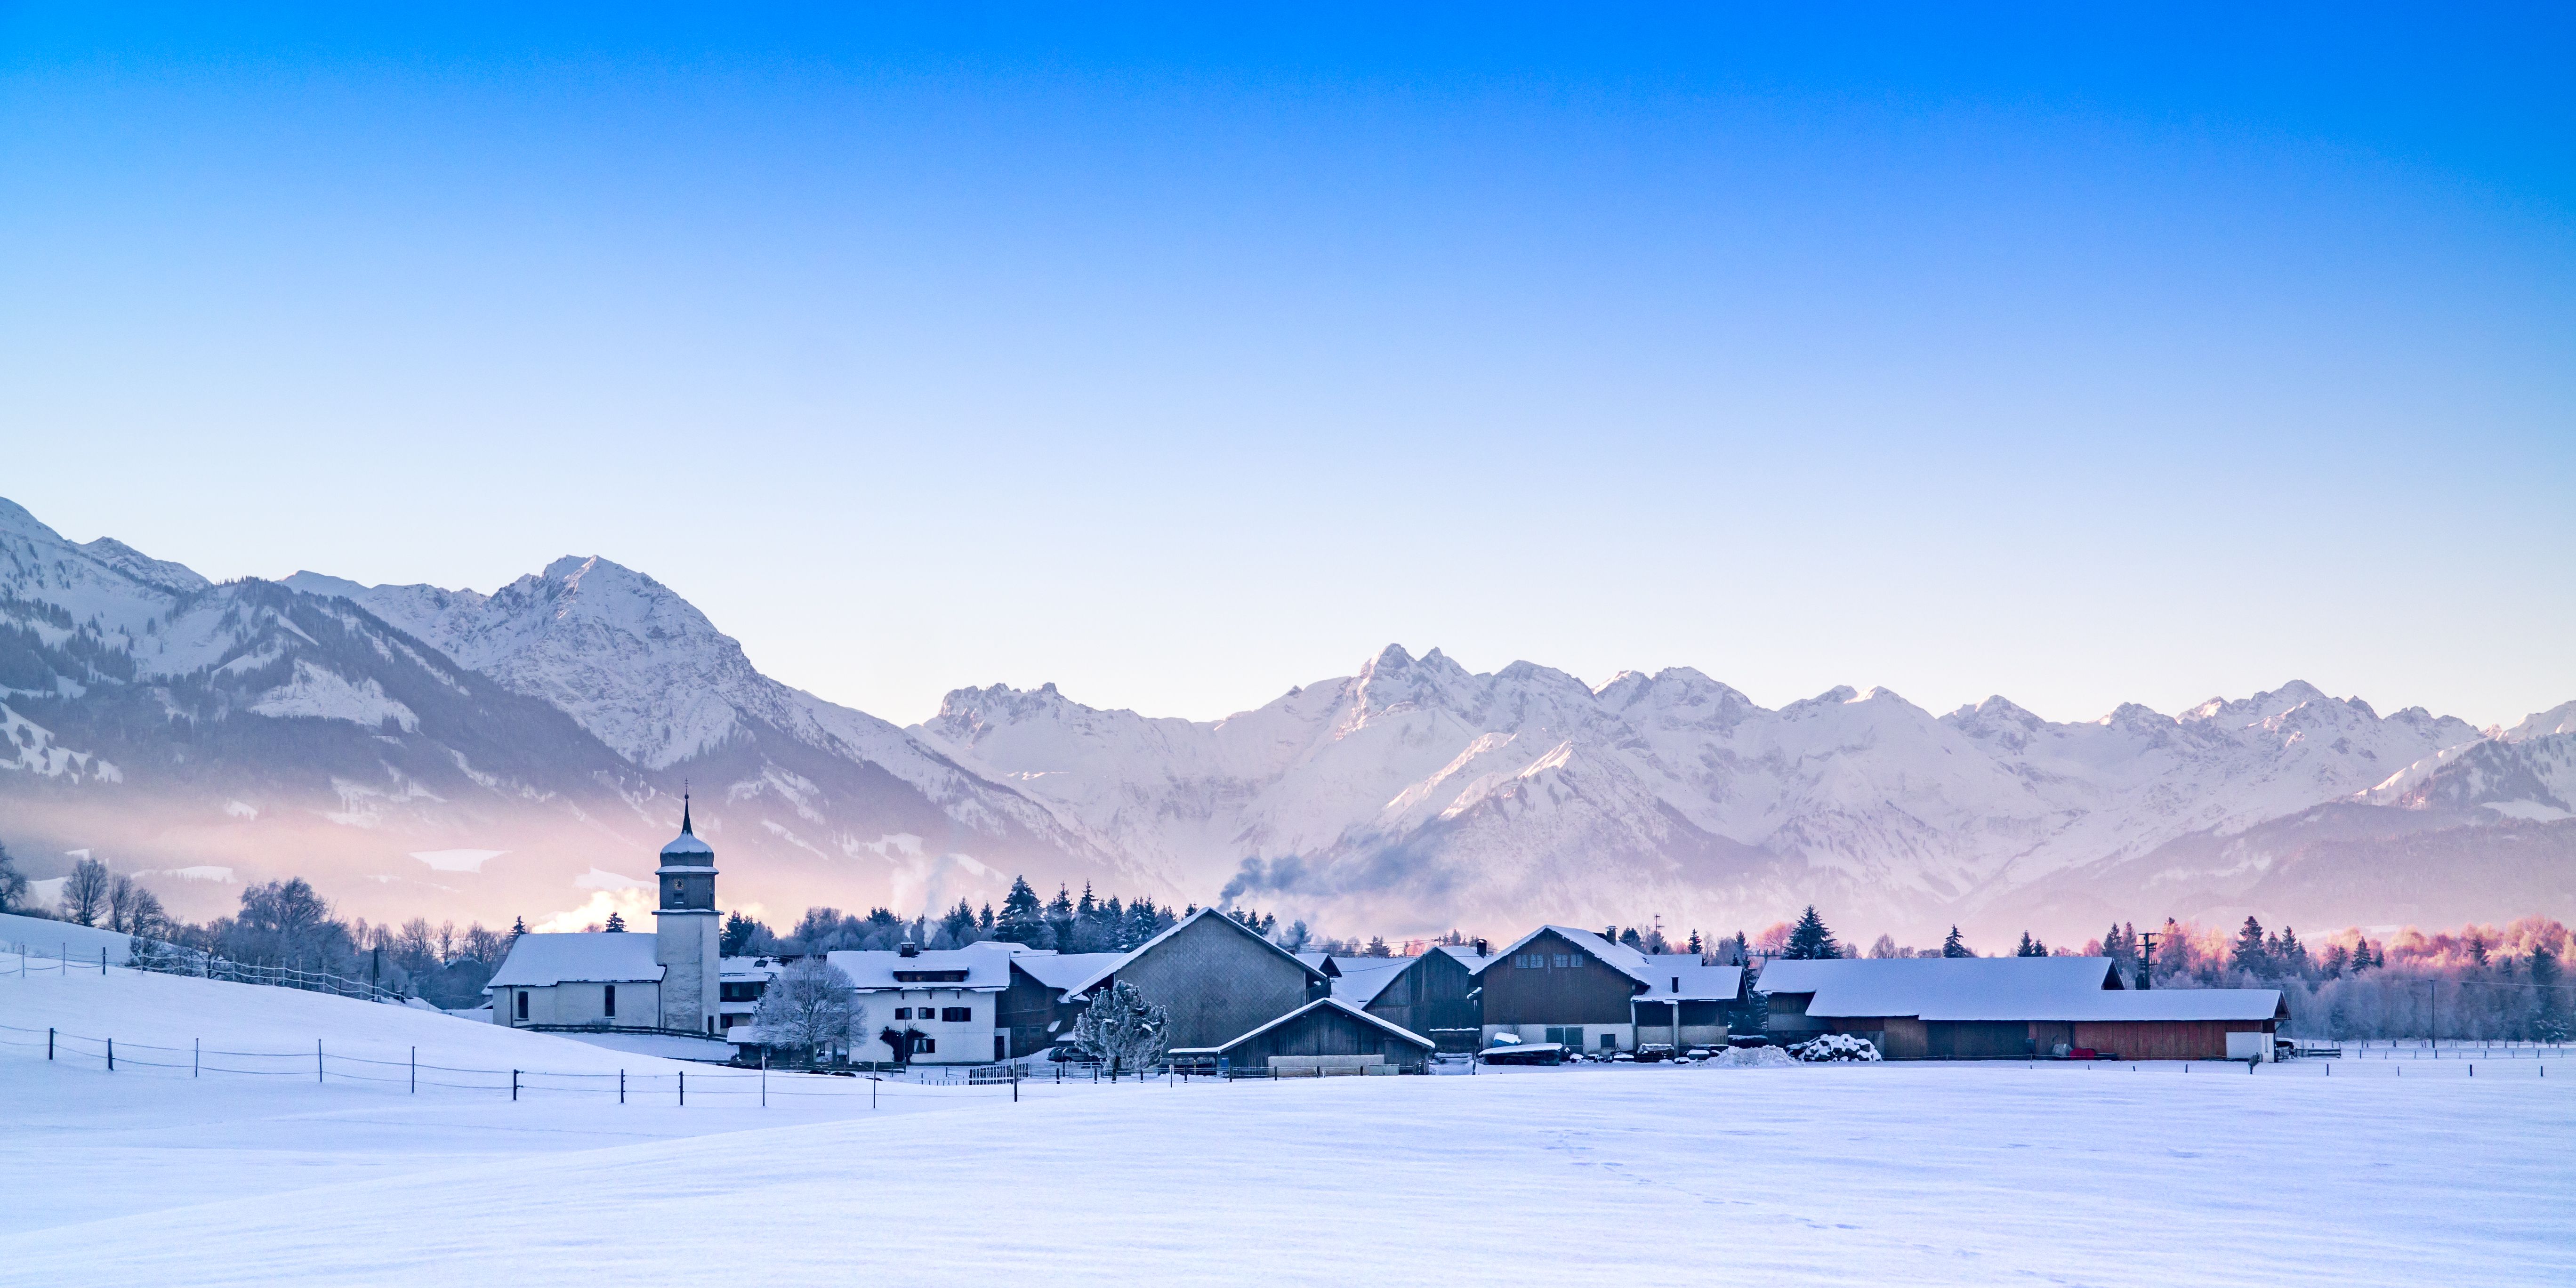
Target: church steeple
(684,813)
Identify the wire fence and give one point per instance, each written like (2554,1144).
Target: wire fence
(164,958)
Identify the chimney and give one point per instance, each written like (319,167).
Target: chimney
(908,949)
(1484,949)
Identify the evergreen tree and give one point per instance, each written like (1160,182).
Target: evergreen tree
(1738,953)
(1809,940)
(984,920)
(1121,1029)
(616,924)
(2549,1007)
(1019,922)
(1376,948)
(1630,938)
(1297,937)
(1694,945)
(2251,954)
(1063,926)
(2030,947)
(959,924)
(1952,946)
(1086,905)
(2291,954)
(518,927)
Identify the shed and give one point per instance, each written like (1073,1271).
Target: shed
(1325,1034)
(2007,1007)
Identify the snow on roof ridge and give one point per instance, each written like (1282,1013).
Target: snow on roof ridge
(1335,1002)
(1177,927)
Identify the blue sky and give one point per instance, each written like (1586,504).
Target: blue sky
(1177,359)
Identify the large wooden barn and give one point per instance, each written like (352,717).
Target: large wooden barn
(1976,1008)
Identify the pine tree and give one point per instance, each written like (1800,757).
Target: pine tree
(2251,954)
(1376,948)
(1120,1028)
(984,920)
(735,940)
(1952,946)
(1019,922)
(1630,938)
(2030,947)
(518,927)
(1694,945)
(616,924)
(1809,940)
(2549,1001)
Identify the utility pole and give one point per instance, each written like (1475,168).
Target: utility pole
(2147,958)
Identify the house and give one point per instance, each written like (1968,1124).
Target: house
(941,1006)
(1560,984)
(1433,995)
(740,983)
(1327,1035)
(1215,979)
(1966,1008)
(667,981)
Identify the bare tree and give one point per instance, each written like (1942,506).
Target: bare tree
(85,892)
(13,883)
(812,1007)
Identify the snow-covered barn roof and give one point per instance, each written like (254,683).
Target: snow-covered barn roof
(1948,988)
(1681,977)
(984,967)
(1363,978)
(2181,1004)
(1396,1030)
(1466,956)
(1619,957)
(540,961)
(1092,980)
(1322,962)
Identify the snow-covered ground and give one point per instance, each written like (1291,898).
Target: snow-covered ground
(2378,1172)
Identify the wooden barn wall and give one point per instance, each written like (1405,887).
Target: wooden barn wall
(1026,1008)
(2165,1039)
(1584,993)
(1216,982)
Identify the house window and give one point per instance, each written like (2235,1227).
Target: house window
(608,1000)
(1569,1037)
(925,1046)
(523,1004)
(957,1014)
(1609,1041)
(1564,961)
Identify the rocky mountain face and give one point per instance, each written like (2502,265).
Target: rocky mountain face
(425,751)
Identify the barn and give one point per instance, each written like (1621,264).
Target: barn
(1433,994)
(1214,978)
(1982,1008)
(1327,1035)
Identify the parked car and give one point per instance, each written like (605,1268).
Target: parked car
(1622,1057)
(1698,1053)
(1654,1052)
(1748,1040)
(1524,1053)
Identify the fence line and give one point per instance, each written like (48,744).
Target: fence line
(164,958)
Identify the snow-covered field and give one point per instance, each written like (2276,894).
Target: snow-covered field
(2380,1172)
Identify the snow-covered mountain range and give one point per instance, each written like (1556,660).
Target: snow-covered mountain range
(420,749)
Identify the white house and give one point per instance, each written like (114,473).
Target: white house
(943,1005)
(667,981)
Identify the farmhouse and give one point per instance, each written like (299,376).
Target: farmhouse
(937,1007)
(668,981)
(1967,1008)
(1560,984)
(1327,1035)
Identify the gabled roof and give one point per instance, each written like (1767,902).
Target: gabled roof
(1063,970)
(987,966)
(1092,980)
(1322,962)
(2181,1004)
(1466,956)
(1619,957)
(1948,988)
(1397,1031)
(1681,977)
(1363,978)
(541,961)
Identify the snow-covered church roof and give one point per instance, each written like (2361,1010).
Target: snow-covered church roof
(540,961)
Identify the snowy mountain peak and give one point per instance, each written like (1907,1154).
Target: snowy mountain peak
(2541,724)
(173,577)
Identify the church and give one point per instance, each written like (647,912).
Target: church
(667,981)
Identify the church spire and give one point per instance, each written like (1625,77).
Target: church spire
(684,811)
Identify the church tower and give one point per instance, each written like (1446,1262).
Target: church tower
(686,934)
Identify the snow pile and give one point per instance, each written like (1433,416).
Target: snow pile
(1835,1047)
(1751,1058)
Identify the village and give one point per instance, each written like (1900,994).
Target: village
(1212,994)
